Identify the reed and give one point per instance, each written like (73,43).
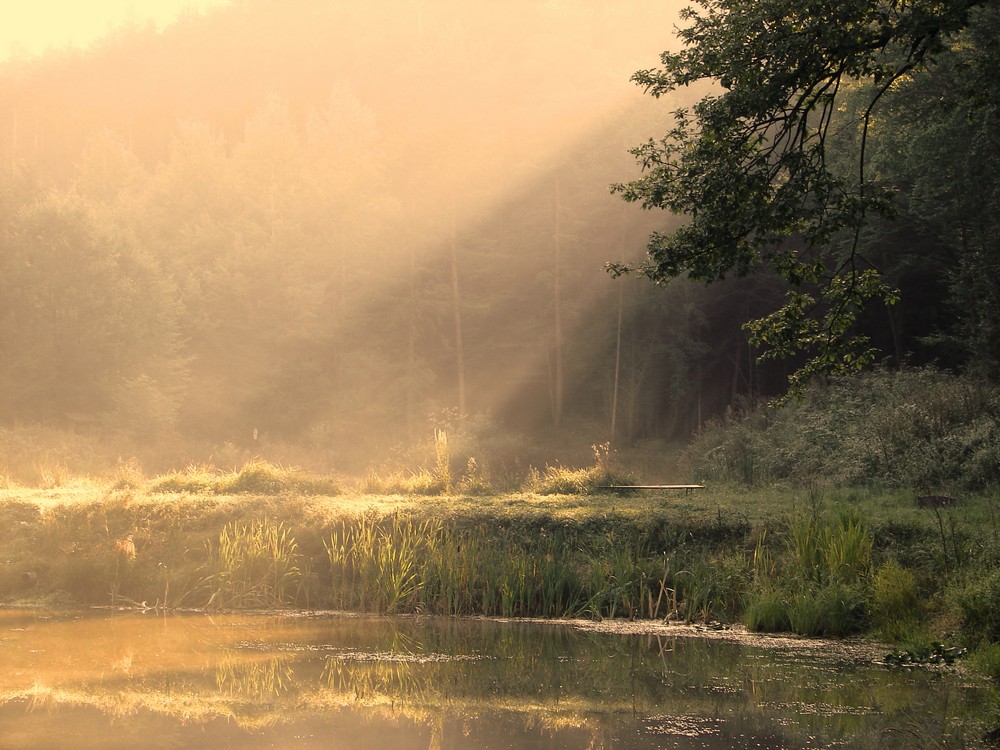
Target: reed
(832,610)
(396,564)
(808,539)
(822,584)
(421,482)
(767,610)
(258,566)
(381,566)
(442,460)
(848,551)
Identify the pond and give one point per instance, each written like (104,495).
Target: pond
(127,679)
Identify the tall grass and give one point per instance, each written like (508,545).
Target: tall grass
(255,477)
(258,566)
(378,565)
(395,564)
(821,586)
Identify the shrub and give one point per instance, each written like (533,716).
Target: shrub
(922,428)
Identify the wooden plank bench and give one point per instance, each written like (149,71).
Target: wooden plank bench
(638,487)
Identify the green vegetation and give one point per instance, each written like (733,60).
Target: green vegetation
(818,584)
(774,559)
(820,127)
(922,429)
(771,552)
(254,477)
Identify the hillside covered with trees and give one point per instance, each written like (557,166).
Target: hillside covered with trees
(338,226)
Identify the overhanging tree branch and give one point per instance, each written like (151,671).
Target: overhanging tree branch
(750,167)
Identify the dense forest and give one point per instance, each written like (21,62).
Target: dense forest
(339,226)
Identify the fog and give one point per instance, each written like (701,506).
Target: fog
(326,229)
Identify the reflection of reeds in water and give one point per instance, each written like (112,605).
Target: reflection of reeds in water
(376,681)
(263,680)
(540,677)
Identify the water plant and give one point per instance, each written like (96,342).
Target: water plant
(822,586)
(379,564)
(767,610)
(258,565)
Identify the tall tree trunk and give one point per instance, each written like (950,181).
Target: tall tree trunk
(558,375)
(618,335)
(411,350)
(456,308)
(618,363)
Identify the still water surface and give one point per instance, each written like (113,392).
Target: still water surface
(131,680)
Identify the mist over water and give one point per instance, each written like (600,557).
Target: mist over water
(248,681)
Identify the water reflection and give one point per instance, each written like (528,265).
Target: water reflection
(294,681)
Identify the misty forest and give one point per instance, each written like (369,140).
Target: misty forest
(325,231)
(643,313)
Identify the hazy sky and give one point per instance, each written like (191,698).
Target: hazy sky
(32,26)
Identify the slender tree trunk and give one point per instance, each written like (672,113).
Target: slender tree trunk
(411,349)
(618,336)
(557,386)
(897,344)
(456,308)
(618,363)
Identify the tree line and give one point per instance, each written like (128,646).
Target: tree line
(336,226)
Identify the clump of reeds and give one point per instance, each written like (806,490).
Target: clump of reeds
(50,475)
(398,564)
(442,460)
(379,565)
(257,566)
(473,482)
(822,585)
(127,475)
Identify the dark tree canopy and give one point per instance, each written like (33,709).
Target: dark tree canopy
(770,168)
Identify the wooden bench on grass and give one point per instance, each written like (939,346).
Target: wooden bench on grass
(638,487)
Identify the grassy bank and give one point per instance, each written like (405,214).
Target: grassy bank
(815,562)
